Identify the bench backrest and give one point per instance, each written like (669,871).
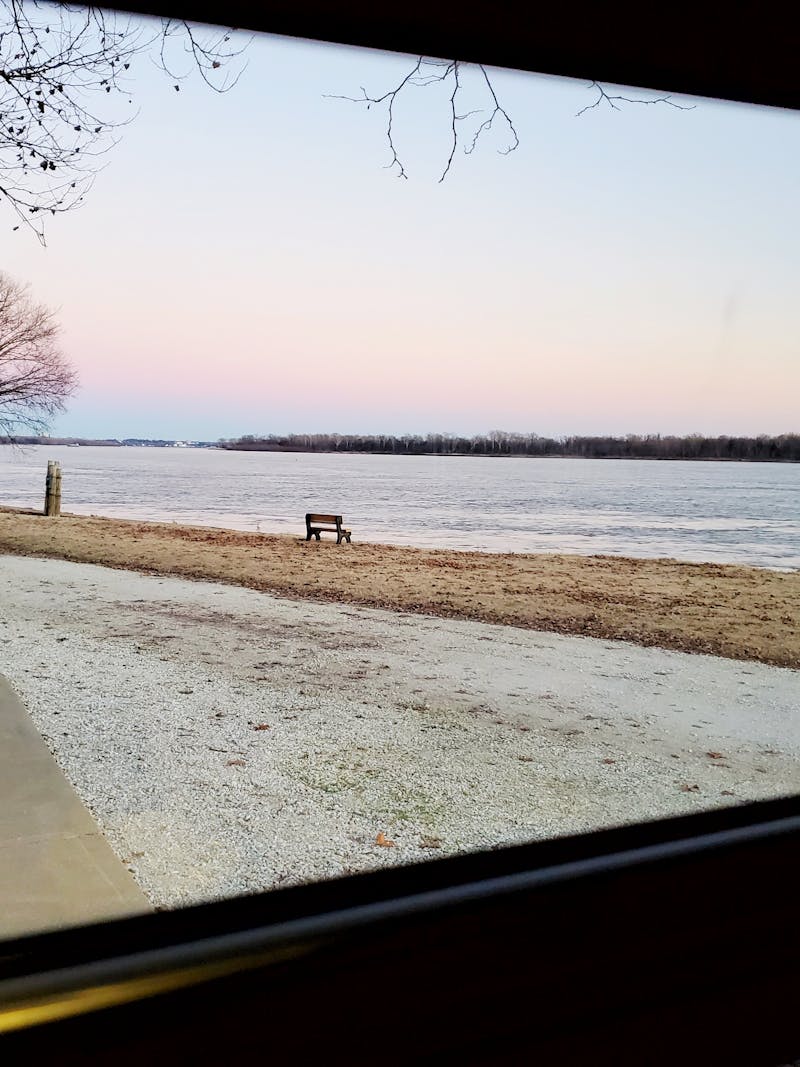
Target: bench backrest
(337,519)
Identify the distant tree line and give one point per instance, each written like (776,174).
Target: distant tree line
(106,442)
(785,448)
(46,440)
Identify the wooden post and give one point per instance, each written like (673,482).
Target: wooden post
(52,489)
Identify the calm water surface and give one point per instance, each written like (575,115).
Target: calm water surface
(721,512)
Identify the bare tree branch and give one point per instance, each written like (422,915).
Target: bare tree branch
(427,72)
(387,98)
(205,59)
(453,120)
(487,125)
(603,96)
(62,68)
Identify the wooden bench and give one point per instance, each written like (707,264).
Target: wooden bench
(333,525)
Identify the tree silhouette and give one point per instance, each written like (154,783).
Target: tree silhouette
(783,448)
(63,70)
(35,378)
(427,72)
(466,128)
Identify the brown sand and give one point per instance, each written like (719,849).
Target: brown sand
(731,611)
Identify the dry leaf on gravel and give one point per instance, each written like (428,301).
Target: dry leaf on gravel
(685,788)
(383,841)
(715,755)
(261,726)
(427,841)
(236,763)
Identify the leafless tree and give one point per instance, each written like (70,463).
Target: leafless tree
(35,377)
(785,448)
(64,71)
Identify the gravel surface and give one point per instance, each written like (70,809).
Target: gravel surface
(229,741)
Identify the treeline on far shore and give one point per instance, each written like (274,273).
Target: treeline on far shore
(782,449)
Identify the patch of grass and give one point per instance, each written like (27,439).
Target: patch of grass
(334,775)
(404,805)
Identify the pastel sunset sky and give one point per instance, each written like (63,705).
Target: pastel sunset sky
(246,264)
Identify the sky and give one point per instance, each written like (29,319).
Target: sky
(246,263)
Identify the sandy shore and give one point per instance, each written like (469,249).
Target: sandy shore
(228,740)
(738,612)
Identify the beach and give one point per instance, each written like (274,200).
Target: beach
(744,613)
(228,740)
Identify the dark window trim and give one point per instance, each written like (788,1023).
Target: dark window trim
(743,51)
(665,942)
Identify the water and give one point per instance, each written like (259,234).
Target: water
(720,512)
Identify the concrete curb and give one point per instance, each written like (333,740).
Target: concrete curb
(56,868)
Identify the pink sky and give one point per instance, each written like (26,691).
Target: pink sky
(246,264)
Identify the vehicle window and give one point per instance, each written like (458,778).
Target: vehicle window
(420,448)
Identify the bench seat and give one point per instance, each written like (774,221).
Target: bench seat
(320,524)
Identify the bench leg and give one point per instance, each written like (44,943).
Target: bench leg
(348,538)
(338,539)
(308,536)
(317,535)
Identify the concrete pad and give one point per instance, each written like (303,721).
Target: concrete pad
(56,868)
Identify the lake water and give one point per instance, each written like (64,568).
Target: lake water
(720,512)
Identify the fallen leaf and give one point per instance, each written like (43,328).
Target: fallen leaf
(690,788)
(236,763)
(715,755)
(261,726)
(525,759)
(383,841)
(427,841)
(727,793)
(609,760)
